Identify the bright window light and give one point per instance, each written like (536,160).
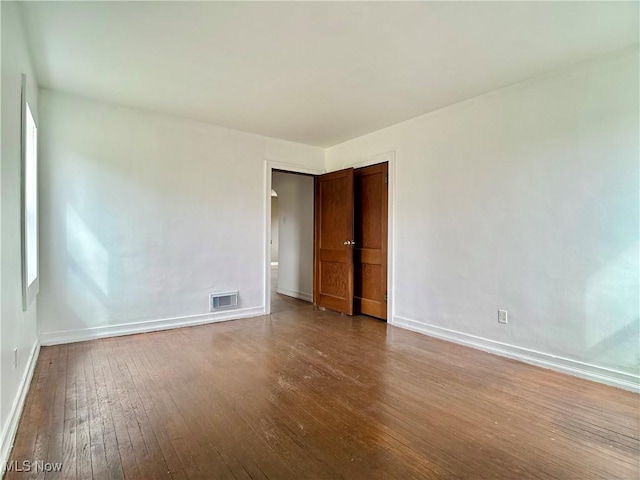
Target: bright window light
(31,197)
(30,282)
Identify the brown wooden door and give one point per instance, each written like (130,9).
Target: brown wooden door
(370,252)
(333,252)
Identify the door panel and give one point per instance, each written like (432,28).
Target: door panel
(333,282)
(370,252)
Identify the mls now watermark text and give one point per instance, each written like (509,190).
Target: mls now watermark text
(35,466)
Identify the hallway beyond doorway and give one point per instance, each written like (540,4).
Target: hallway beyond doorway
(280,302)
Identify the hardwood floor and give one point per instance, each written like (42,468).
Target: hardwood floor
(307,394)
(279,302)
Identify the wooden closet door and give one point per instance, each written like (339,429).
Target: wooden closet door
(370,251)
(333,251)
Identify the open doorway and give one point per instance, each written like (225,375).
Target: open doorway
(291,240)
(367,266)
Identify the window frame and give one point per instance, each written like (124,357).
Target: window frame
(29,289)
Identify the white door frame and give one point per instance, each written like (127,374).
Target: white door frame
(270,167)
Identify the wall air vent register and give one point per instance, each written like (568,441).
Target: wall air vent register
(221,301)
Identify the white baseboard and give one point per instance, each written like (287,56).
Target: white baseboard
(70,336)
(604,375)
(11,427)
(307,297)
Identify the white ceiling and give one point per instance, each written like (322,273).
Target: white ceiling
(315,73)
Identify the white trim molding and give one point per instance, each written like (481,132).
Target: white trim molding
(626,381)
(70,336)
(11,427)
(292,168)
(389,157)
(307,297)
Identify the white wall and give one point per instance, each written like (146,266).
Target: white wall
(17,328)
(295,234)
(143,215)
(523,199)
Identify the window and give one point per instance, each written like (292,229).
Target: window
(30,283)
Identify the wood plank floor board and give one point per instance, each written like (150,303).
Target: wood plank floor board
(323,412)
(266,425)
(315,395)
(238,470)
(97,441)
(208,449)
(354,415)
(240,406)
(341,376)
(112,457)
(144,430)
(490,423)
(123,441)
(168,434)
(48,428)
(275,423)
(141,433)
(276,419)
(83,434)
(278,385)
(489,410)
(350,447)
(69,439)
(57,428)
(413,409)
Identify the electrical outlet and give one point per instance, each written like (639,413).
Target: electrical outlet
(15,357)
(502,316)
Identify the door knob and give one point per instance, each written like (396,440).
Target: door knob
(346,243)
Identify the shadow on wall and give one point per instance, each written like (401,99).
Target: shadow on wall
(87,273)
